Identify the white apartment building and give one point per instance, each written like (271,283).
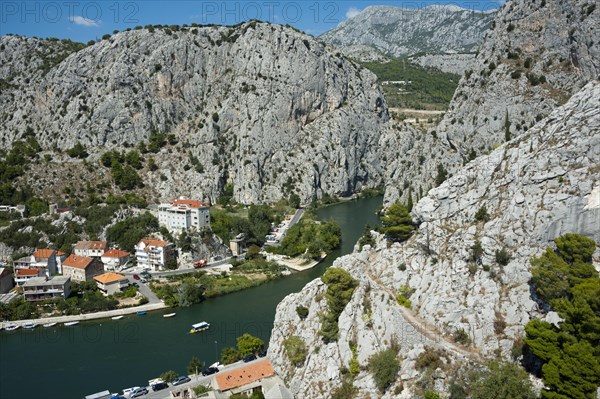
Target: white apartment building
(184,214)
(153,254)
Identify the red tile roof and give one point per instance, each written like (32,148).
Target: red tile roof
(154,242)
(28,272)
(115,253)
(191,203)
(79,262)
(43,253)
(244,375)
(110,277)
(91,245)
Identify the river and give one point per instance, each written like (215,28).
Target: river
(71,362)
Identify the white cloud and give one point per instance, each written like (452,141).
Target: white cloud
(352,12)
(79,20)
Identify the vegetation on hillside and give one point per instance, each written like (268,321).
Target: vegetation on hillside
(310,239)
(247,344)
(340,287)
(565,281)
(397,224)
(429,88)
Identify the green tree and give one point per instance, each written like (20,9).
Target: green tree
(442,175)
(295,349)
(189,294)
(340,287)
(194,366)
(397,223)
(502,257)
(169,376)
(575,247)
(77,151)
(294,201)
(230,355)
(384,367)
(482,215)
(302,312)
(248,344)
(133,158)
(550,276)
(501,381)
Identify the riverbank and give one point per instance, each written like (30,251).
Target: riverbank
(91,316)
(296,264)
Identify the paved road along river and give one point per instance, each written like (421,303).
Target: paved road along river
(71,362)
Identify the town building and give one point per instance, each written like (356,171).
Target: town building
(43,288)
(60,258)
(92,249)
(24,275)
(44,259)
(82,268)
(115,259)
(184,214)
(154,254)
(6,280)
(245,379)
(110,283)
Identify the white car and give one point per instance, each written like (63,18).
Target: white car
(128,391)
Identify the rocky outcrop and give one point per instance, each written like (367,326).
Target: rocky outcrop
(449,63)
(407,31)
(531,61)
(537,186)
(267,108)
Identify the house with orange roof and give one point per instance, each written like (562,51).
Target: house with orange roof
(244,379)
(154,254)
(184,214)
(111,283)
(91,249)
(114,259)
(22,275)
(82,268)
(43,259)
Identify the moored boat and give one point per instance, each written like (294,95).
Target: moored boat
(48,325)
(117,317)
(141,313)
(169,315)
(198,327)
(11,327)
(29,325)
(70,323)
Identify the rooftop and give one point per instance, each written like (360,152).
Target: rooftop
(27,272)
(244,375)
(115,253)
(189,203)
(91,245)
(154,242)
(80,262)
(110,277)
(43,253)
(42,281)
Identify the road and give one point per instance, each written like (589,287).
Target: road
(144,290)
(296,217)
(195,381)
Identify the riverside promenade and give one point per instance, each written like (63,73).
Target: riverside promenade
(92,316)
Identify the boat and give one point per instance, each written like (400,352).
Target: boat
(169,315)
(48,325)
(29,325)
(198,327)
(11,327)
(117,317)
(141,313)
(71,323)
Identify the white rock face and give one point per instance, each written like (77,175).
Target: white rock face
(535,187)
(406,31)
(450,63)
(262,106)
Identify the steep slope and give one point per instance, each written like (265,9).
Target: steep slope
(540,185)
(407,31)
(531,61)
(264,107)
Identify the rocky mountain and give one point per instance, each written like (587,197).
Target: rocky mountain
(542,184)
(526,149)
(394,31)
(261,106)
(530,62)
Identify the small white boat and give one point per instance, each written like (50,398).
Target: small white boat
(198,327)
(117,317)
(70,323)
(11,327)
(169,315)
(29,325)
(48,325)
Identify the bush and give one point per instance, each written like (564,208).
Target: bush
(302,312)
(501,381)
(502,257)
(248,344)
(77,151)
(230,355)
(476,251)
(461,337)
(432,395)
(295,349)
(346,391)
(404,294)
(384,366)
(515,74)
(169,376)
(442,175)
(397,223)
(482,214)
(340,287)
(430,359)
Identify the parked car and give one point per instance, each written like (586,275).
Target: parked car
(143,280)
(136,277)
(181,380)
(209,371)
(136,285)
(159,386)
(249,358)
(262,353)
(128,391)
(139,392)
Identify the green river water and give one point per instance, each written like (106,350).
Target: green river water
(71,362)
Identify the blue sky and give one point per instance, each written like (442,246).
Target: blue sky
(89,20)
